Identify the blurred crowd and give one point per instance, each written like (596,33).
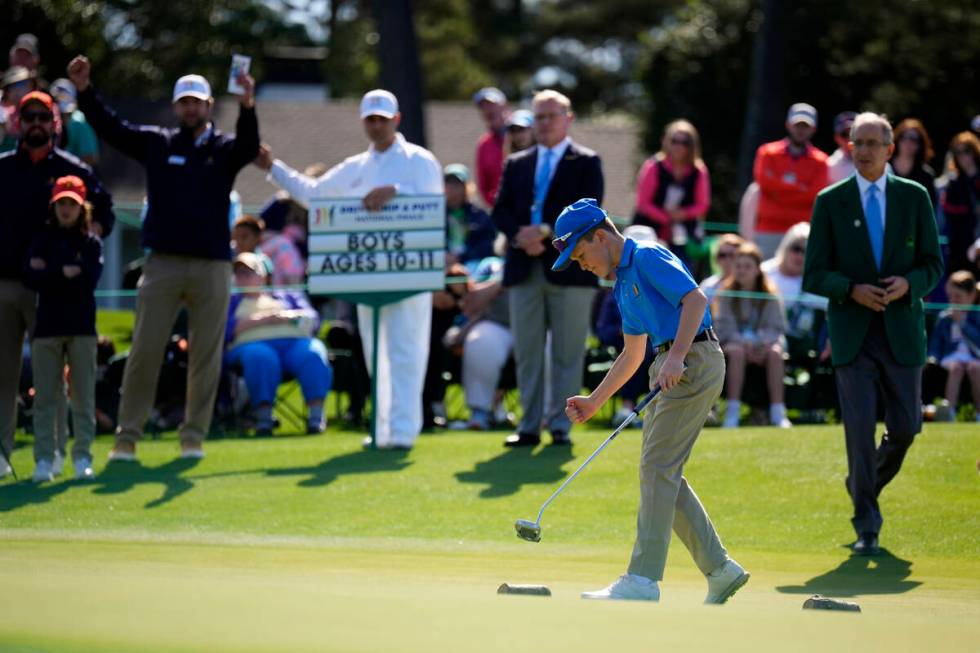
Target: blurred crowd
(223,319)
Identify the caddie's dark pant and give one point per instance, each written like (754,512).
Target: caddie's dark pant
(870,469)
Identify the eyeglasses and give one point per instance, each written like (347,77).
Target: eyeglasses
(561,243)
(686,142)
(871,144)
(910,136)
(844,133)
(36,116)
(798,249)
(724,254)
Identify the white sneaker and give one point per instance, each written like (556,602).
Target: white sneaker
(725,581)
(43,472)
(58,466)
(5,467)
(777,416)
(83,468)
(626,589)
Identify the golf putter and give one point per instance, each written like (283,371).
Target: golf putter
(531,530)
(6,456)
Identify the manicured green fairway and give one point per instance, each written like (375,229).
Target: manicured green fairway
(310,544)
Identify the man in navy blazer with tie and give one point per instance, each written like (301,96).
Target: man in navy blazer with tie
(874,252)
(536,185)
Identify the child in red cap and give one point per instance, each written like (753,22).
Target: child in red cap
(64,264)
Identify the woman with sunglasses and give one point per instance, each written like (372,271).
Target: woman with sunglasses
(913,151)
(673,190)
(961,200)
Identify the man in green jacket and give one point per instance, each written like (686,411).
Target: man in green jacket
(874,253)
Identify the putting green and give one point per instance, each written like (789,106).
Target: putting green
(309,544)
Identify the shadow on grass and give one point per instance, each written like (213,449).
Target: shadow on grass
(118,478)
(881,574)
(507,473)
(358,462)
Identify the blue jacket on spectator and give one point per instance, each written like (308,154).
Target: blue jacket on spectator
(293,299)
(941,344)
(65,307)
(26,188)
(187,183)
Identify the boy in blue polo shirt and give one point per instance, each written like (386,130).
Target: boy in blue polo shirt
(659,299)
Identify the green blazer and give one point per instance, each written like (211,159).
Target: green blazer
(839,253)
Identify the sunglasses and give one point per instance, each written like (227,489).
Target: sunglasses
(844,133)
(797,249)
(561,243)
(36,116)
(962,150)
(681,141)
(910,136)
(724,254)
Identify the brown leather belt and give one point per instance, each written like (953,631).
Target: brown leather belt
(707,334)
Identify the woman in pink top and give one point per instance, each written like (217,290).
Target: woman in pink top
(673,190)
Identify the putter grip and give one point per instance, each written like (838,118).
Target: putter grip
(646,400)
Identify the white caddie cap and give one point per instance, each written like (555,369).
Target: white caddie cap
(192,86)
(379,103)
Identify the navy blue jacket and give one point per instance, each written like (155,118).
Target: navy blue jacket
(942,344)
(65,307)
(578,175)
(187,187)
(26,190)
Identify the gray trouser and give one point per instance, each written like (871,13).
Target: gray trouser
(670,428)
(17,312)
(169,282)
(48,358)
(869,468)
(535,307)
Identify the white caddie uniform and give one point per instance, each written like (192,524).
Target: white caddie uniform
(403,340)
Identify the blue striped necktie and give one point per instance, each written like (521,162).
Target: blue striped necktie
(541,187)
(876,228)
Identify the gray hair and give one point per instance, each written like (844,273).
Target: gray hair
(871,118)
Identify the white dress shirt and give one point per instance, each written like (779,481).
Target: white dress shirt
(557,152)
(864,185)
(411,169)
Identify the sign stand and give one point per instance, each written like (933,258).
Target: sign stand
(377,258)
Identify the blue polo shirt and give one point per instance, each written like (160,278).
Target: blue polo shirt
(650,283)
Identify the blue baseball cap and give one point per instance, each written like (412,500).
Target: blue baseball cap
(521,118)
(573,222)
(490,94)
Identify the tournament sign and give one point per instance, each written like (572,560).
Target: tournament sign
(400,248)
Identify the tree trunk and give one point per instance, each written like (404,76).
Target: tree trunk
(401,71)
(766,102)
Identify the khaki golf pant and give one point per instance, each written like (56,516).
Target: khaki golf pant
(667,501)
(48,357)
(17,312)
(169,282)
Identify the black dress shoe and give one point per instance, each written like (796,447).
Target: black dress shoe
(522,440)
(560,438)
(866,545)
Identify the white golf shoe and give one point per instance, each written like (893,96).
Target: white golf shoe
(83,468)
(627,588)
(58,466)
(43,472)
(5,467)
(725,581)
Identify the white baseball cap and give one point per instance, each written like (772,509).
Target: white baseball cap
(192,86)
(379,103)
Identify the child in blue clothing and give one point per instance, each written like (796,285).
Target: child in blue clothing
(660,301)
(63,265)
(955,342)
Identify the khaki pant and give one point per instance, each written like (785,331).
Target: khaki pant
(18,307)
(670,428)
(169,282)
(48,357)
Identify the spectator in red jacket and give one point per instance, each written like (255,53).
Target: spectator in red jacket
(790,172)
(492,104)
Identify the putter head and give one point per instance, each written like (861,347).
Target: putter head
(528,530)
